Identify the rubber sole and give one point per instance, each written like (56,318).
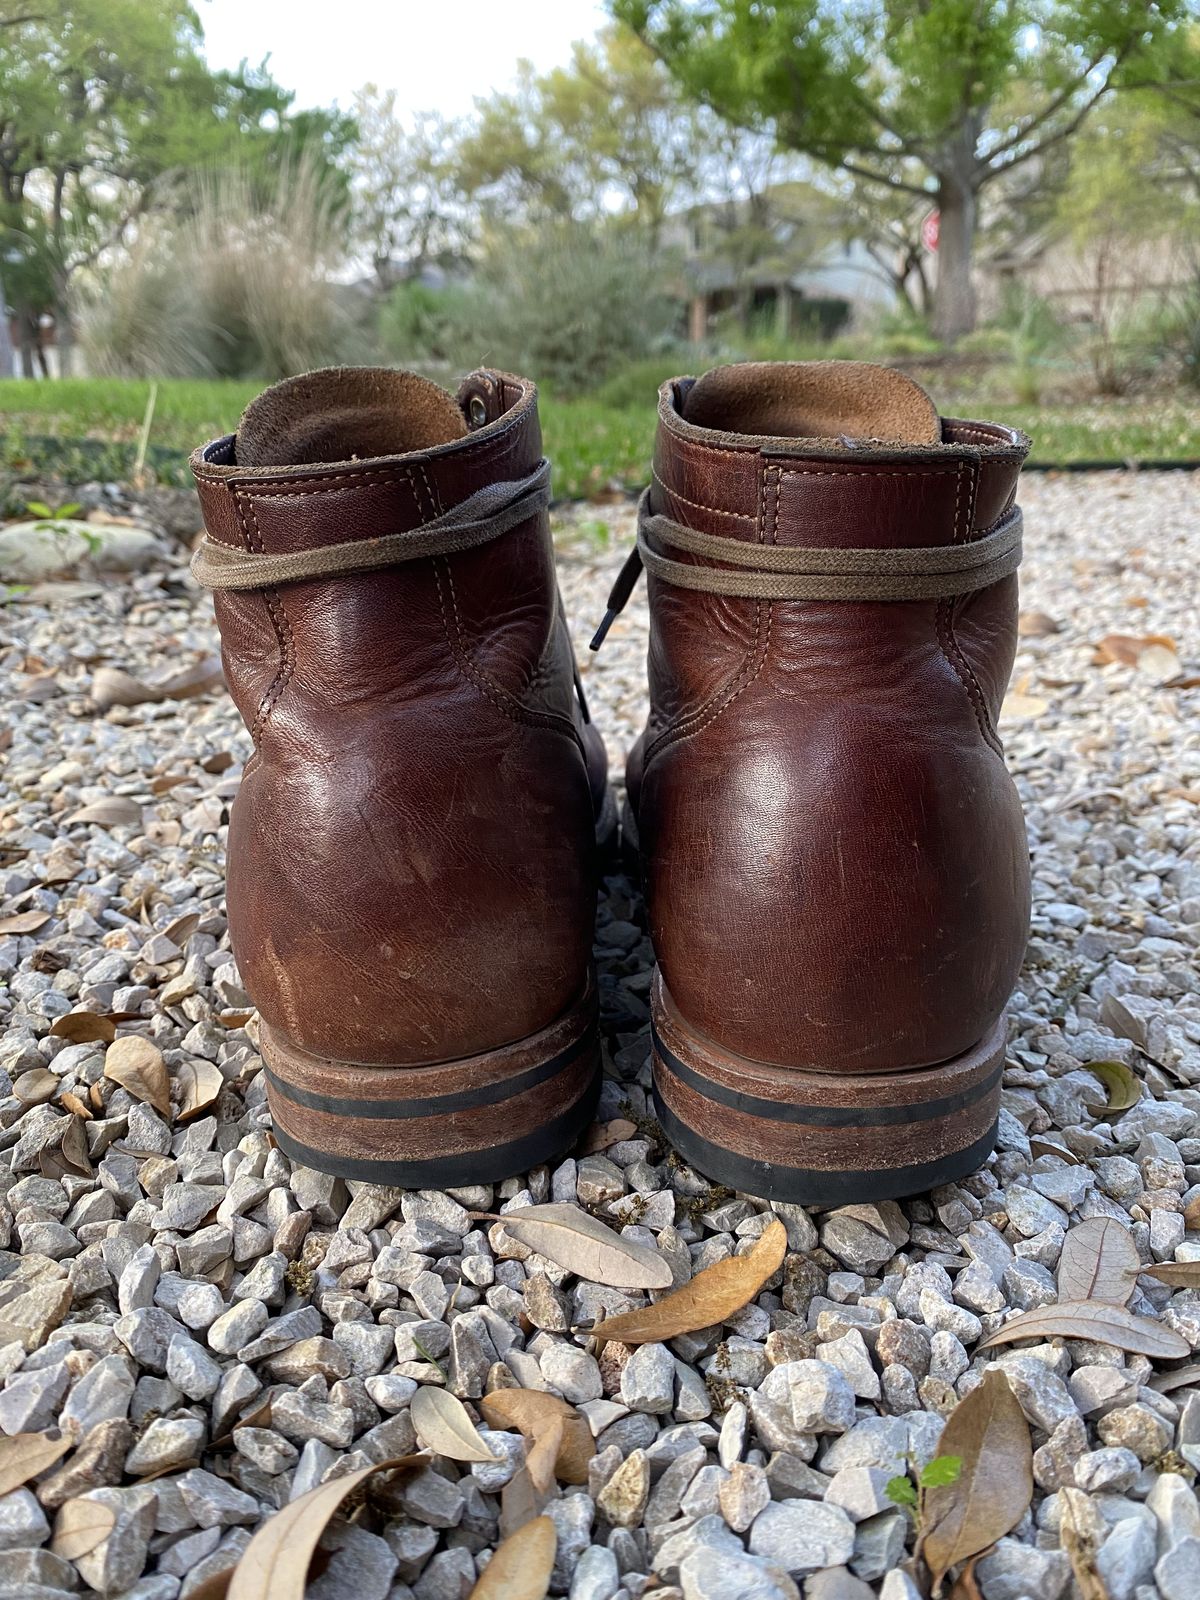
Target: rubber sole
(822,1138)
(439,1124)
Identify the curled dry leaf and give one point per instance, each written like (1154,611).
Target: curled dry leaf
(180,929)
(24,922)
(200,1083)
(117,811)
(25,1455)
(1121,1084)
(1181,1378)
(521,1566)
(1020,707)
(576,1241)
(138,1066)
(1076,1519)
(530,1489)
(603,1135)
(274,1565)
(1179,1274)
(988,1433)
(1093,1319)
(1126,649)
(443,1426)
(80,1526)
(35,1087)
(85,1027)
(1050,1147)
(1035,625)
(1099,1261)
(112,687)
(67,1156)
(713,1295)
(533,1412)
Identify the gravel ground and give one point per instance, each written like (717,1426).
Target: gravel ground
(163,1278)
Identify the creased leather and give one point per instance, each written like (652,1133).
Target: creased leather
(834,852)
(411,854)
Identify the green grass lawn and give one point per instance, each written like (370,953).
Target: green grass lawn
(86,428)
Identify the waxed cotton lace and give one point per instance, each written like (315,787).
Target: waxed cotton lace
(481,517)
(789,572)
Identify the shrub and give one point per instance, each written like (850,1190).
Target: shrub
(230,283)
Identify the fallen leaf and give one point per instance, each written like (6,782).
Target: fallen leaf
(68,1155)
(1191,1213)
(1047,1147)
(966,1585)
(1121,1083)
(112,687)
(1179,1274)
(85,1027)
(72,1103)
(1158,663)
(24,922)
(25,1455)
(274,1565)
(35,1087)
(1181,1378)
(138,1066)
(1075,1520)
(711,1297)
(219,761)
(576,1241)
(200,1084)
(1125,648)
(117,811)
(80,1526)
(1019,707)
(1099,1261)
(988,1433)
(533,1412)
(443,1426)
(181,929)
(1093,1319)
(166,781)
(521,1566)
(603,1135)
(530,1489)
(197,679)
(1035,625)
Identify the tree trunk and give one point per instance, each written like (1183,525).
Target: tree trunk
(6,349)
(954,297)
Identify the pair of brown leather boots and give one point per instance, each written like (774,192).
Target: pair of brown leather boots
(832,850)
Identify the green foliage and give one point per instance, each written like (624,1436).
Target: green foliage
(901,1491)
(939,1472)
(426,327)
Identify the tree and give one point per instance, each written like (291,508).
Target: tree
(408,207)
(962,91)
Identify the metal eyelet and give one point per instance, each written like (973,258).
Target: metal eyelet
(476,411)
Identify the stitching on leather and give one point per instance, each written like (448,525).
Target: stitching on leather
(698,505)
(944,622)
(279,621)
(688,727)
(493,692)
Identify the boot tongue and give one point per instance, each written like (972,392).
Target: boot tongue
(844,400)
(346,414)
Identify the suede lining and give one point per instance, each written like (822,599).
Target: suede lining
(346,414)
(813,400)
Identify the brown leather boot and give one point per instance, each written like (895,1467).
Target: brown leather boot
(833,851)
(413,850)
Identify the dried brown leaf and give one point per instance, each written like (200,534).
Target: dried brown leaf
(1179,1274)
(1075,1531)
(138,1066)
(72,1103)
(1020,707)
(115,811)
(85,1027)
(988,1433)
(112,687)
(68,1155)
(576,1241)
(530,1489)
(521,1567)
(603,1135)
(1093,1319)
(24,1455)
(24,922)
(198,679)
(200,1084)
(1049,1147)
(80,1526)
(1099,1261)
(1181,1378)
(180,929)
(274,1565)
(1191,1213)
(1121,1083)
(443,1426)
(532,1412)
(711,1297)
(1126,648)
(35,1087)
(1035,625)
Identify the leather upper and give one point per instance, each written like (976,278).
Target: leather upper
(834,851)
(411,854)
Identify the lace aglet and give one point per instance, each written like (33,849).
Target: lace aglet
(601,632)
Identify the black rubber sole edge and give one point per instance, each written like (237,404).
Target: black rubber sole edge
(809,1186)
(491,1165)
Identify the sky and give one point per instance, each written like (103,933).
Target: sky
(439,55)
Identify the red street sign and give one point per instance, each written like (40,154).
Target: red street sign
(929,229)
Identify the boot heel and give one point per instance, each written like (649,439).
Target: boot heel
(439,1124)
(819,1138)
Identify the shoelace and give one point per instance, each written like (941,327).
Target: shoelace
(481,517)
(788,572)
